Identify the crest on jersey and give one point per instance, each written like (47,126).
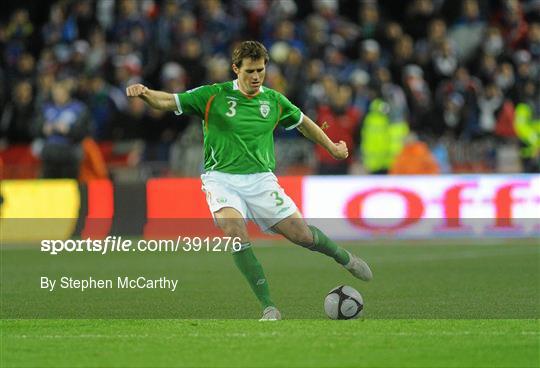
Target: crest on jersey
(265,110)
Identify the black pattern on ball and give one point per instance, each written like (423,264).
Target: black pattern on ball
(341,299)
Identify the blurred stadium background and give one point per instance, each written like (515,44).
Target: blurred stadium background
(416,87)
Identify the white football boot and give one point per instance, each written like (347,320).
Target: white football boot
(271,314)
(358,267)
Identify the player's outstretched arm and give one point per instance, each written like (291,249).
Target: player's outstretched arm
(314,133)
(157,99)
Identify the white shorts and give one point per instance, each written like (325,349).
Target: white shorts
(258,197)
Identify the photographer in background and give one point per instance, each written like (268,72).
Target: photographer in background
(64,123)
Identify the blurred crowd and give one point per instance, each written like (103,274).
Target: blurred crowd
(422,86)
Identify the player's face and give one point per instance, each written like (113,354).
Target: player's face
(250,75)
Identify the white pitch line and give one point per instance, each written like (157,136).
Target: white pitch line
(273,334)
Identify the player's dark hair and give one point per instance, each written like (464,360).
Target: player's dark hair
(249,49)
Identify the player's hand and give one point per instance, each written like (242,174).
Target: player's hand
(340,151)
(136,90)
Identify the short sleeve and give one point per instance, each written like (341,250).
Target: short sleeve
(193,102)
(291,116)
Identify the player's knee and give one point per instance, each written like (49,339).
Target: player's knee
(234,229)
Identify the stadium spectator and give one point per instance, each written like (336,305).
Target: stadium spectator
(313,88)
(97,54)
(338,65)
(340,30)
(61,28)
(218,70)
(402,55)
(285,31)
(104,102)
(45,82)
(93,165)
(493,42)
(504,127)
(128,124)
(130,18)
(83,12)
(340,121)
(220,27)
(145,49)
(449,116)
(504,77)
(490,103)
(427,46)
(370,57)
(511,20)
(414,159)
(185,27)
(264,15)
(77,62)
(25,68)
(362,92)
(20,26)
(127,65)
(369,20)
(190,56)
(527,127)
(275,79)
(17,37)
(166,23)
(462,90)
(417,17)
(391,34)
(185,154)
(485,70)
(381,138)
(317,34)
(18,115)
(533,40)
(444,62)
(419,98)
(392,93)
(294,73)
(526,70)
(64,123)
(467,31)
(161,130)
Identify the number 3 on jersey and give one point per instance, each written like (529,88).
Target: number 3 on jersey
(232,109)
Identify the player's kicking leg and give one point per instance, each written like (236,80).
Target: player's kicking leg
(297,231)
(231,222)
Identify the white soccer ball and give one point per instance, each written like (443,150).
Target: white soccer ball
(343,302)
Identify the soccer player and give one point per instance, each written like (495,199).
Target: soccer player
(239,118)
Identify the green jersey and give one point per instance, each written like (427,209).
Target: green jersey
(238,130)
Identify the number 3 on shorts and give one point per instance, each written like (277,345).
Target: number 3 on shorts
(279,200)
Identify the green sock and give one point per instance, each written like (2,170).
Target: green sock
(252,270)
(323,244)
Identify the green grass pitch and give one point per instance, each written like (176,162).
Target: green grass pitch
(433,304)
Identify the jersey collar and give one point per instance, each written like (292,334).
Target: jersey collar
(235,87)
